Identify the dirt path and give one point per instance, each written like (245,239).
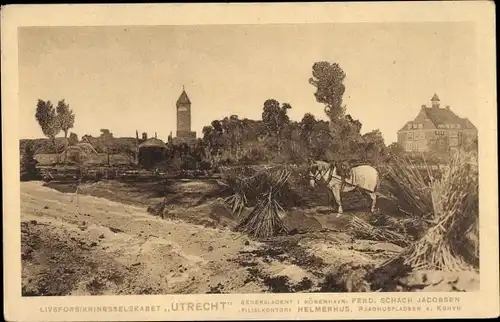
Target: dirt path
(89,245)
(110,248)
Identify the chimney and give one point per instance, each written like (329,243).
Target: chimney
(144,136)
(155,136)
(447,107)
(423,106)
(435,101)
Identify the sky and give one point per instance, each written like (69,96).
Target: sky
(129,78)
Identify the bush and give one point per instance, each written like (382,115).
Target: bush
(28,164)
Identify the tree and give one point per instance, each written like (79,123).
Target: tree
(48,120)
(28,162)
(346,136)
(328,78)
(213,141)
(307,128)
(275,119)
(66,119)
(374,146)
(322,145)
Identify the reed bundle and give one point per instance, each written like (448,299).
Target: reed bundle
(411,187)
(456,210)
(363,229)
(247,185)
(265,220)
(455,213)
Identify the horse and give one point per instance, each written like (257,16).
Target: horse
(339,177)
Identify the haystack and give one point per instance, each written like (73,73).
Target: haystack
(265,219)
(454,215)
(239,185)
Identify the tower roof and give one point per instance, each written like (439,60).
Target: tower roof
(435,98)
(183,99)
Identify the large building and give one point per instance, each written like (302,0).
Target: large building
(439,126)
(184,132)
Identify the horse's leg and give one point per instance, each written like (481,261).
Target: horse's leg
(373,195)
(336,194)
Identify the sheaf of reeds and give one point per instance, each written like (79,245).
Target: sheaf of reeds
(454,216)
(363,229)
(265,219)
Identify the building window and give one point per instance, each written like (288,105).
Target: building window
(410,136)
(453,134)
(408,146)
(420,126)
(440,126)
(439,132)
(421,135)
(453,141)
(421,146)
(409,126)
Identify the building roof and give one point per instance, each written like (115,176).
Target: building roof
(468,124)
(84,148)
(153,142)
(114,145)
(435,98)
(183,99)
(440,116)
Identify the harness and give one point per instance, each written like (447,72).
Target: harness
(330,171)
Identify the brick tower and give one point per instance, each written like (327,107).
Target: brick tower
(184,117)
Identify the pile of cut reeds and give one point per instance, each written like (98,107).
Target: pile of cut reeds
(363,229)
(455,212)
(246,186)
(410,188)
(265,220)
(239,183)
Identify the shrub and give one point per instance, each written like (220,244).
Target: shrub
(28,164)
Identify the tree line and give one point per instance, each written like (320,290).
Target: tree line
(276,138)
(273,138)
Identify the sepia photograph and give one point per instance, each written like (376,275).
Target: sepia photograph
(304,166)
(251,158)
